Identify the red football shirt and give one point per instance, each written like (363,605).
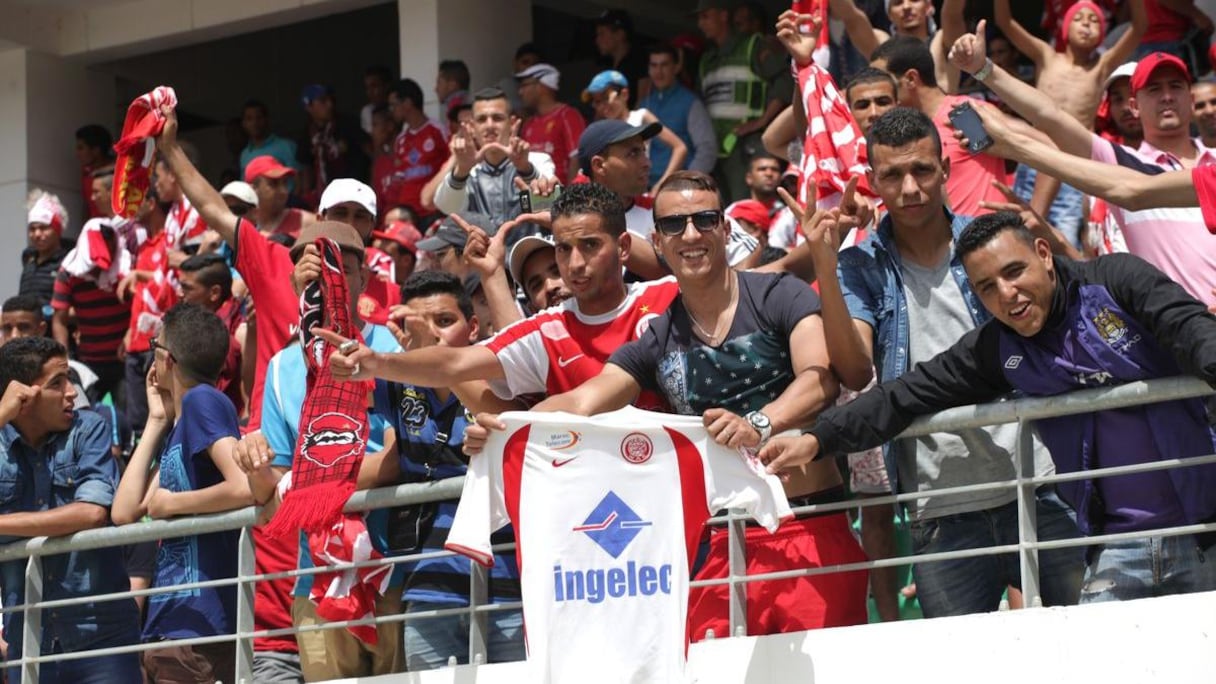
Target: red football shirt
(266,268)
(561,348)
(151,299)
(556,134)
(381,292)
(418,155)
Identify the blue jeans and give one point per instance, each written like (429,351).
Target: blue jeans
(108,669)
(974,585)
(1148,567)
(1066,210)
(429,642)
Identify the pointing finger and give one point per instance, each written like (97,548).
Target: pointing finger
(795,207)
(329,336)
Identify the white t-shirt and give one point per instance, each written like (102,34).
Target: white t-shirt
(608,511)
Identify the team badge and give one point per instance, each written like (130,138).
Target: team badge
(332,438)
(1112,328)
(428,145)
(636,448)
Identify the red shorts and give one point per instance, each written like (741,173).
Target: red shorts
(835,599)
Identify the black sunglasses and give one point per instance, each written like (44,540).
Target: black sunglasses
(704,221)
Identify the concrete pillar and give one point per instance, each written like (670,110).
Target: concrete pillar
(483,34)
(43,100)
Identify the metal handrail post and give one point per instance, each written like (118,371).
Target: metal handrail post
(736,541)
(1028,514)
(31,640)
(479,578)
(245,595)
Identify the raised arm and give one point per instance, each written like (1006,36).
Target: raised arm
(969,54)
(780,133)
(1037,50)
(862,34)
(679,151)
(206,199)
(953,26)
(1125,46)
(429,367)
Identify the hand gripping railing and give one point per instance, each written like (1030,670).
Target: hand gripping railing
(1023,412)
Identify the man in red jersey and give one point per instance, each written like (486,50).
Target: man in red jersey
(557,349)
(552,127)
(420,149)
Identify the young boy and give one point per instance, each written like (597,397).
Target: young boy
(1074,75)
(193,427)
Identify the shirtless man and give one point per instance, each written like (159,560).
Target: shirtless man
(911,18)
(1074,78)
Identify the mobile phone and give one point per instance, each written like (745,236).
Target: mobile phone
(964,118)
(529,203)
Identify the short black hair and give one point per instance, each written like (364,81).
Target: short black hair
(690,180)
(665,49)
(905,52)
(902,126)
(254,103)
(97,137)
(984,229)
(591,198)
(380,71)
(430,283)
(408,89)
(870,75)
(211,269)
(766,156)
(26,302)
(489,93)
(454,112)
(529,49)
(455,70)
(383,110)
(23,358)
(198,341)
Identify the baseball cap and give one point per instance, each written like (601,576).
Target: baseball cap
(1150,64)
(450,234)
(752,211)
(526,247)
(599,135)
(347,238)
(313,92)
(266,165)
(604,80)
(403,233)
(242,191)
(341,190)
(547,74)
(471,283)
(1124,70)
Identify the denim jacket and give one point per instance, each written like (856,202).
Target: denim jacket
(69,467)
(873,288)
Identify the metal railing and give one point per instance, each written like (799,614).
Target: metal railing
(1023,412)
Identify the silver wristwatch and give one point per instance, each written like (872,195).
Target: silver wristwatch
(761,424)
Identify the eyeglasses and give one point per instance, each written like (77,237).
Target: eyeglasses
(704,221)
(155,344)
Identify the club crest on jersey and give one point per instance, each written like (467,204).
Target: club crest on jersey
(562,440)
(643,324)
(332,438)
(1114,330)
(636,448)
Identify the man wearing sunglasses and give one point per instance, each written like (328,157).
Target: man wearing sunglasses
(746,352)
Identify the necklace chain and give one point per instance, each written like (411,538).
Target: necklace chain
(712,338)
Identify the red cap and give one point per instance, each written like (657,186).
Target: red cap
(266,165)
(752,211)
(402,232)
(1148,65)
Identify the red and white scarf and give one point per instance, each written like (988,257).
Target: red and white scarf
(834,149)
(135,148)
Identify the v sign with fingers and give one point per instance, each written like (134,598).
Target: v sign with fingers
(465,151)
(518,148)
(821,229)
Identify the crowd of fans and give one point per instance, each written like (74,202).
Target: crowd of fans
(512,255)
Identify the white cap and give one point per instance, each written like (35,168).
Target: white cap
(242,191)
(547,74)
(341,190)
(1124,70)
(520,251)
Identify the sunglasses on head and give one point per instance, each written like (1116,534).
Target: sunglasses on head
(704,221)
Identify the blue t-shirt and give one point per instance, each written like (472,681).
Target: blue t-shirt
(430,435)
(185,465)
(282,403)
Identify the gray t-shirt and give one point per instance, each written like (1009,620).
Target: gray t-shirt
(937,318)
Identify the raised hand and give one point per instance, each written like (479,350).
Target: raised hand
(855,210)
(821,230)
(800,45)
(307,269)
(518,148)
(970,51)
(17,397)
(168,134)
(484,253)
(464,150)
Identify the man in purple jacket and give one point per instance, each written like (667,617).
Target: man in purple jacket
(1061,326)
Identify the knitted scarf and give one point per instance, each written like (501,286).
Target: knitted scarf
(331,443)
(135,148)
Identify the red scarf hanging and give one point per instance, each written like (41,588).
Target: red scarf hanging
(329,449)
(833,150)
(135,148)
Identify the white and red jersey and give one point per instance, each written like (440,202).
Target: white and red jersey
(417,156)
(560,348)
(608,512)
(183,226)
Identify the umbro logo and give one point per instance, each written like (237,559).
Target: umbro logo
(1013,362)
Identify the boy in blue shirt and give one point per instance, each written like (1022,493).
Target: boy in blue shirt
(193,427)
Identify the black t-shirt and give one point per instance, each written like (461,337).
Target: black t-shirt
(635,66)
(39,278)
(749,369)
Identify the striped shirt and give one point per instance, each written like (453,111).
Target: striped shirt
(101,319)
(1174,240)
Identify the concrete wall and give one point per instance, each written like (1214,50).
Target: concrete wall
(1168,639)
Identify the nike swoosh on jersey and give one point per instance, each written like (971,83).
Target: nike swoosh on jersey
(558,464)
(566,362)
